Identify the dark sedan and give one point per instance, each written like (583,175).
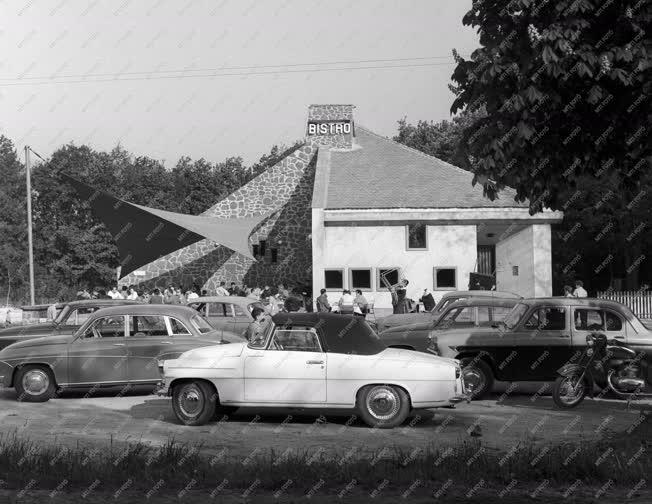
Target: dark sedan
(116,346)
(70,318)
(479,313)
(448,298)
(538,337)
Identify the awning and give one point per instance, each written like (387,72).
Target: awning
(143,234)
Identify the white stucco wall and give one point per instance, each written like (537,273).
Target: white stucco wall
(530,250)
(385,246)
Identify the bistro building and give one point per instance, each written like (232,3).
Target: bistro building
(347,206)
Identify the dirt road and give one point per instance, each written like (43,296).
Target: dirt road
(502,421)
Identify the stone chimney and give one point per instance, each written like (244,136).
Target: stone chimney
(331,125)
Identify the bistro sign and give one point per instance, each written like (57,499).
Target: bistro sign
(329,127)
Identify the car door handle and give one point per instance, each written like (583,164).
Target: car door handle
(314,362)
(166,343)
(619,337)
(118,344)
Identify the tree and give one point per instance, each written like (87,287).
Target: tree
(13,224)
(438,139)
(566,86)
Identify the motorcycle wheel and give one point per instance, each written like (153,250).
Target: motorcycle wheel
(567,396)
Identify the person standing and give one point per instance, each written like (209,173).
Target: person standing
(399,298)
(156,297)
(322,303)
(361,302)
(221,290)
(568,291)
(114,293)
(427,300)
(579,291)
(233,290)
(191,294)
(133,295)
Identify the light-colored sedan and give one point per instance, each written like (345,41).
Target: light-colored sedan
(227,313)
(311,360)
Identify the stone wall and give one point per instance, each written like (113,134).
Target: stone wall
(285,189)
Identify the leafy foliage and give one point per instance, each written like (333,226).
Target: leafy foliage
(72,249)
(566,86)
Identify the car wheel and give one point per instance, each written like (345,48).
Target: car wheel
(478,377)
(194,402)
(35,383)
(383,406)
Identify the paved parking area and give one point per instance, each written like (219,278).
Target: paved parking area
(502,421)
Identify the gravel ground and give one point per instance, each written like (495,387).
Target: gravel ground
(502,421)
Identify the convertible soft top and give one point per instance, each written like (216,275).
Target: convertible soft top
(345,334)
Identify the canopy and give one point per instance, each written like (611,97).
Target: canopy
(144,234)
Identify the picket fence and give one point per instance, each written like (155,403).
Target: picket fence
(639,302)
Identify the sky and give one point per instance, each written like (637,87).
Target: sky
(218,78)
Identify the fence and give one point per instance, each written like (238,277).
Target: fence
(639,302)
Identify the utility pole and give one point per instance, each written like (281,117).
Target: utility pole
(29,226)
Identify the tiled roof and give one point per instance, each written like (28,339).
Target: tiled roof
(381,173)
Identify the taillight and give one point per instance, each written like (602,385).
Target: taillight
(458,372)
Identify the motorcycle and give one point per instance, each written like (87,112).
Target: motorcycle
(607,363)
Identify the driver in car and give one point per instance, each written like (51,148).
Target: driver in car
(256,328)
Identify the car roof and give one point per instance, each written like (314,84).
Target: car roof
(146,309)
(482,293)
(222,299)
(341,333)
(573,301)
(482,301)
(102,302)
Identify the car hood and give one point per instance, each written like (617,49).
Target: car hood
(400,319)
(19,330)
(37,342)
(206,357)
(416,326)
(401,354)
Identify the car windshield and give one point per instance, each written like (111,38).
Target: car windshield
(200,324)
(515,315)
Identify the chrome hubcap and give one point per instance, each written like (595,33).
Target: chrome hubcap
(191,400)
(473,379)
(383,403)
(35,382)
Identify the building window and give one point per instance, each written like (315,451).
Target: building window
(417,236)
(360,278)
(333,279)
(255,250)
(391,275)
(514,270)
(445,278)
(274,255)
(262,247)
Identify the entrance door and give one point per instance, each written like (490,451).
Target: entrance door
(99,356)
(292,370)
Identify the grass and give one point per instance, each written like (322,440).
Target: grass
(25,464)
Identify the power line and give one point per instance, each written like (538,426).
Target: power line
(54,80)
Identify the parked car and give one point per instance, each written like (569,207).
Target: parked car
(400,319)
(116,346)
(70,317)
(479,313)
(537,338)
(311,360)
(228,313)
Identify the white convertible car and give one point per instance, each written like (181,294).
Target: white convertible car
(309,360)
